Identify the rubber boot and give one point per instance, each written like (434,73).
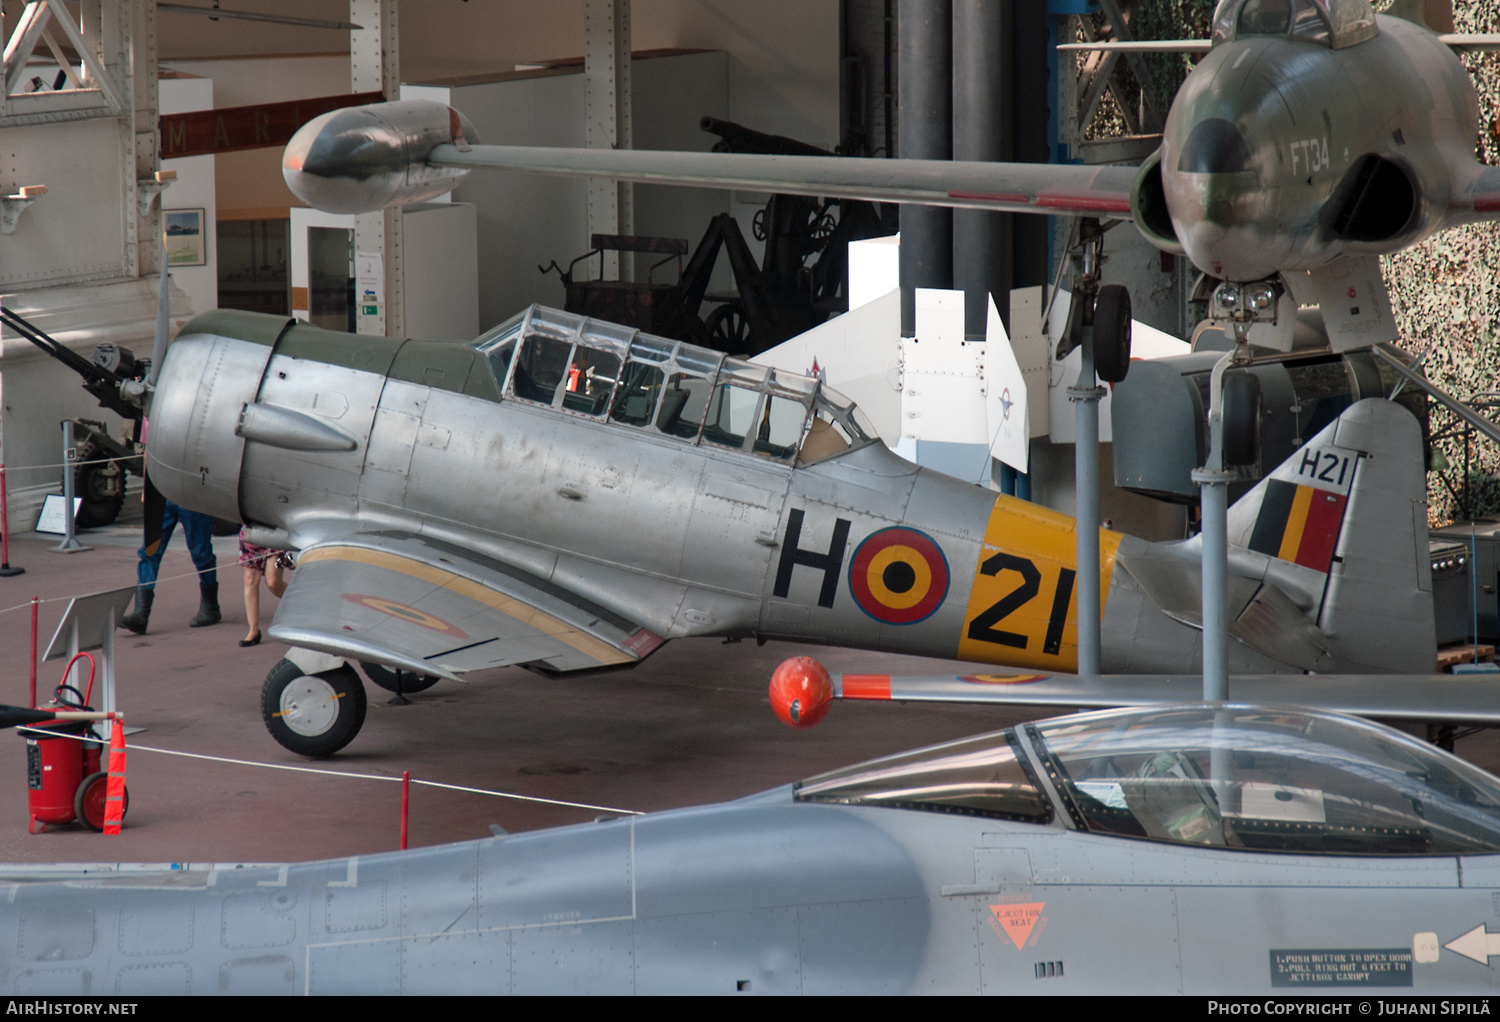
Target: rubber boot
(208,607)
(136,620)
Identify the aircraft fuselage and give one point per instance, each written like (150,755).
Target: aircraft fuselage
(698,527)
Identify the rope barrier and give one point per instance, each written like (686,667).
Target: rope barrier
(67,464)
(345,773)
(161,578)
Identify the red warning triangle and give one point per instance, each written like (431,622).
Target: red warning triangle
(1017,920)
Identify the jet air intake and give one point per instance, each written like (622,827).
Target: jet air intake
(360,159)
(1148,207)
(1376,201)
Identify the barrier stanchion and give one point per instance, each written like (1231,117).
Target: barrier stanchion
(35,600)
(69,544)
(6,571)
(405,804)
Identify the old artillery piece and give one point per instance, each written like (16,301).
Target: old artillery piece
(799,283)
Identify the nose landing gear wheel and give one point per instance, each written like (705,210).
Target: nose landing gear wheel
(313,715)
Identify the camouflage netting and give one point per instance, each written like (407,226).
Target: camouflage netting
(1446,295)
(1446,292)
(1153,19)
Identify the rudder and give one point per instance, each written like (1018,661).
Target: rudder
(1344,522)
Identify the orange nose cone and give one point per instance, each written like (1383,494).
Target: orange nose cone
(801,692)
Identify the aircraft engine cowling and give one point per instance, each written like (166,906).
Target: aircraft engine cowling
(364,158)
(211,372)
(1148,207)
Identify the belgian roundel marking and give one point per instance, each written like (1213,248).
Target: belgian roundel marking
(898,576)
(405,613)
(1002,679)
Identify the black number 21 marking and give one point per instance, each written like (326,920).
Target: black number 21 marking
(982,628)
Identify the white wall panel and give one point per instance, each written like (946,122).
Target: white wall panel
(75,231)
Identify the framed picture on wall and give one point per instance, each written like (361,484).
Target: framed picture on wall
(185,243)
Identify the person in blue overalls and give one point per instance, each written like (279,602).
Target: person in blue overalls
(198,528)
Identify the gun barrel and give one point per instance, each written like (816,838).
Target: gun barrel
(739,139)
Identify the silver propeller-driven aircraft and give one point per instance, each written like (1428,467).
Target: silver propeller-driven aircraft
(568,494)
(1199,849)
(1313,137)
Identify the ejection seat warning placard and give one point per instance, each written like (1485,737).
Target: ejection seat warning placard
(1341,967)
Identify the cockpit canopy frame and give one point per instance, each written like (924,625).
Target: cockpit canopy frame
(613,373)
(1236,777)
(1332,23)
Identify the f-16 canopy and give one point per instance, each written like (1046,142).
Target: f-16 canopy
(1253,778)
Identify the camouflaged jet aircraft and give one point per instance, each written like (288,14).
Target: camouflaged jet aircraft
(1200,849)
(568,494)
(1314,136)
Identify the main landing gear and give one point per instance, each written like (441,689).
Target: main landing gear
(317,712)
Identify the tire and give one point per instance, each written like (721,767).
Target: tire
(99,507)
(88,803)
(728,329)
(313,715)
(1112,333)
(385,677)
(1241,414)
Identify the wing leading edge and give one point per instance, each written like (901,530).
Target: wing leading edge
(1447,698)
(1067,189)
(412,602)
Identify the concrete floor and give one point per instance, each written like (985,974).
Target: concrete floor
(692,724)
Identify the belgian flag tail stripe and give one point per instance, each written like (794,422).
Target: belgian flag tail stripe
(1270,523)
(1320,533)
(1299,524)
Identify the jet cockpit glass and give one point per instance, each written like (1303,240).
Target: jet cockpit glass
(1267,780)
(984,776)
(1349,21)
(1332,23)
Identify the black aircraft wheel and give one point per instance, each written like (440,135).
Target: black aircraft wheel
(1241,414)
(103,493)
(728,329)
(312,714)
(1112,333)
(88,803)
(385,677)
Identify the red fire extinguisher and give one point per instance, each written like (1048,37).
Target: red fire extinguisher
(63,778)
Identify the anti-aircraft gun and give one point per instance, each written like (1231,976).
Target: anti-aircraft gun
(101,462)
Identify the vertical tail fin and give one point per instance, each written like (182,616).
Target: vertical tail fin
(1343,524)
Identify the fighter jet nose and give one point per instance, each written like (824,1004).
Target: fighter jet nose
(1219,207)
(1214,146)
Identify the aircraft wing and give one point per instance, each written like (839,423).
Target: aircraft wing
(414,602)
(1066,189)
(1448,698)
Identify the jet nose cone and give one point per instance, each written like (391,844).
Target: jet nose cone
(1221,212)
(1214,146)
